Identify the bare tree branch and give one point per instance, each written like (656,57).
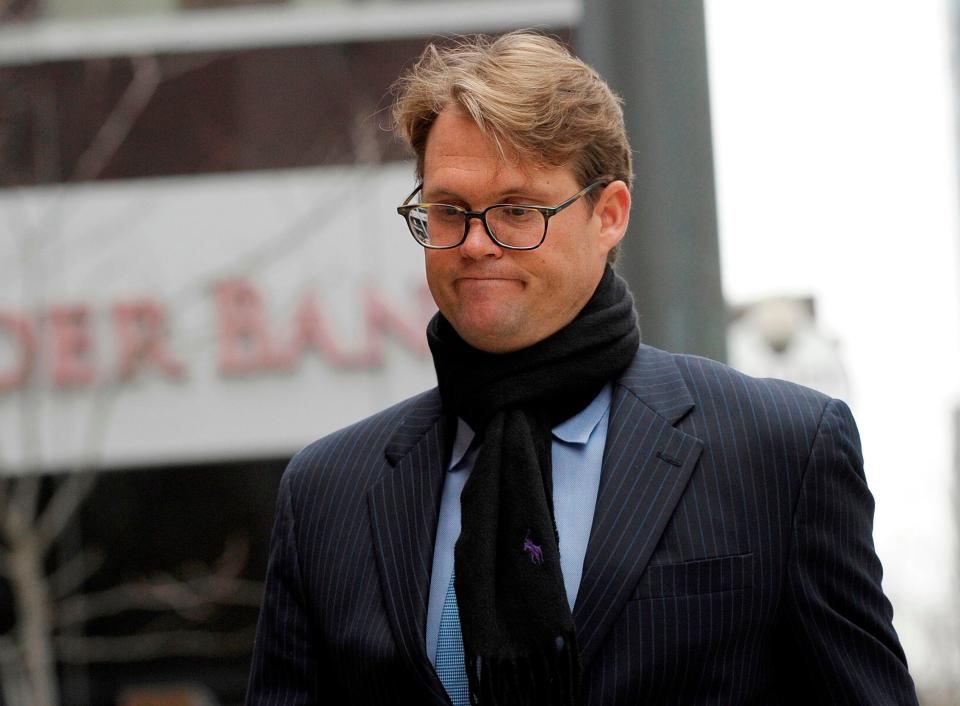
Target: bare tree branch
(4,482)
(193,599)
(26,494)
(66,500)
(234,557)
(179,643)
(73,573)
(8,648)
(118,124)
(22,508)
(182,597)
(147,77)
(176,66)
(12,684)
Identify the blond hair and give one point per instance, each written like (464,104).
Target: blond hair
(528,94)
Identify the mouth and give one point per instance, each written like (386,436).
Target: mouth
(476,278)
(482,282)
(492,279)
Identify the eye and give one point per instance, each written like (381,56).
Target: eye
(445,212)
(517,212)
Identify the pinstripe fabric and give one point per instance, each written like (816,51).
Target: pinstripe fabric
(730,560)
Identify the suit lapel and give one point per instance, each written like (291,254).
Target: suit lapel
(403,508)
(646,466)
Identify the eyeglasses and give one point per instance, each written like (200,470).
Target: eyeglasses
(441,226)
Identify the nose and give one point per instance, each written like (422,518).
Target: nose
(479,244)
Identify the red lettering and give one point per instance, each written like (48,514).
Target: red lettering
(19,329)
(382,318)
(245,344)
(311,330)
(72,346)
(141,329)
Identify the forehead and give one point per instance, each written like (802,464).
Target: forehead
(459,156)
(456,144)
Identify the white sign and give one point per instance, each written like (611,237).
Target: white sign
(188,319)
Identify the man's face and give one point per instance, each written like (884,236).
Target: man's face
(503,300)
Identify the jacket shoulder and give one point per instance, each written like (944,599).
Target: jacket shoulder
(715,384)
(780,419)
(720,403)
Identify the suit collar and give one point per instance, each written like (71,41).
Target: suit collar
(654,379)
(646,466)
(403,507)
(423,413)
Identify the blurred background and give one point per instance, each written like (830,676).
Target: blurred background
(201,270)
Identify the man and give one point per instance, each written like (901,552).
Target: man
(571,517)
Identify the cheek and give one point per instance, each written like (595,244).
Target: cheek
(569,278)
(437,268)
(433,265)
(555,270)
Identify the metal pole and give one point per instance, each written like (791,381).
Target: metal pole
(653,53)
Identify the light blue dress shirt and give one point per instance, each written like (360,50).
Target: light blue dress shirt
(577,456)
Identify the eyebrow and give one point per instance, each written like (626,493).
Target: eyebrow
(518,191)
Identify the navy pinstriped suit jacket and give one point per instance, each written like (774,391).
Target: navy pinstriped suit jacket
(730,561)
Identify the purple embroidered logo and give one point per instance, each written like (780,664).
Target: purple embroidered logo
(535,552)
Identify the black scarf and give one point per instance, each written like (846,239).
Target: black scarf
(518,633)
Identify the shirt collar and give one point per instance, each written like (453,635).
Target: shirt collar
(461,444)
(575,430)
(579,427)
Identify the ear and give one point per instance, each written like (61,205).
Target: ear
(613,210)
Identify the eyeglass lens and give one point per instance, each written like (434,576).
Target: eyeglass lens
(442,225)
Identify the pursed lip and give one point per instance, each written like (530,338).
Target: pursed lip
(478,281)
(488,278)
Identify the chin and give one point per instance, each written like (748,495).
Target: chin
(499,342)
(491,339)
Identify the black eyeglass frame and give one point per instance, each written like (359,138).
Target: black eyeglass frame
(547,211)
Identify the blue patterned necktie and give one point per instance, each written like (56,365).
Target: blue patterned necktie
(450,665)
